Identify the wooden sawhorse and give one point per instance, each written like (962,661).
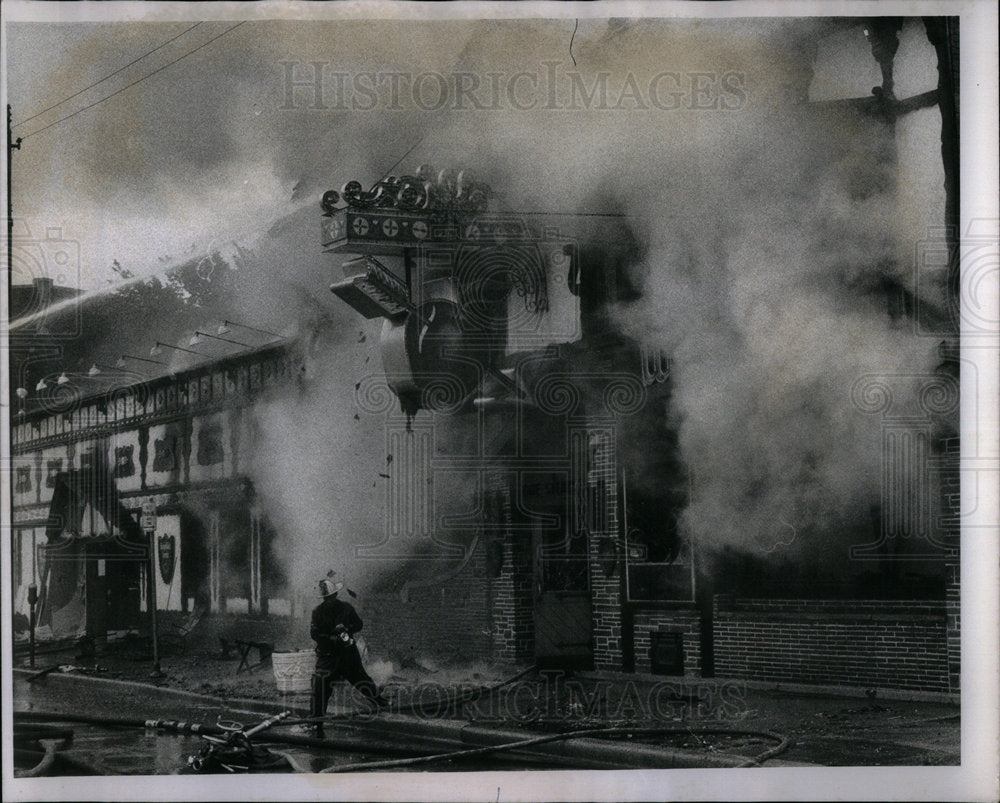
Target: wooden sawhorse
(243,647)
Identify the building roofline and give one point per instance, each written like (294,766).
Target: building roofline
(39,410)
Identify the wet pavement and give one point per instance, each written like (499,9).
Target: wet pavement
(137,751)
(822,728)
(140,751)
(859,731)
(121,750)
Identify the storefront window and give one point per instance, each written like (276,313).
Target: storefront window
(658,559)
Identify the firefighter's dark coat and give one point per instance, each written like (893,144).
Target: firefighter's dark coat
(336,659)
(325,619)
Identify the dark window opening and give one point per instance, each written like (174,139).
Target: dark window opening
(23,484)
(52,468)
(124,463)
(666,653)
(210,449)
(165,454)
(753,576)
(657,557)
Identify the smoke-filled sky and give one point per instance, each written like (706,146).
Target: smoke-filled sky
(765,228)
(206,149)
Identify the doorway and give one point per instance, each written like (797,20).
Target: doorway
(560,574)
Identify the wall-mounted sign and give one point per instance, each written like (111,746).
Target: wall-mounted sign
(167,550)
(148,519)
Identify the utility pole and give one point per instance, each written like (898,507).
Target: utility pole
(151,597)
(11,145)
(148,523)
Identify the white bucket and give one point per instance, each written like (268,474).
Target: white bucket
(293,671)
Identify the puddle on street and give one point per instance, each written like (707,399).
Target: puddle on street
(114,751)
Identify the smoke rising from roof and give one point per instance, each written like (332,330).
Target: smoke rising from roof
(767,231)
(769,234)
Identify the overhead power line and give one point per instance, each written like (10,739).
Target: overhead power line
(413,147)
(109,75)
(137,81)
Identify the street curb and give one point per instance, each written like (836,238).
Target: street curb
(809,689)
(251,706)
(450,735)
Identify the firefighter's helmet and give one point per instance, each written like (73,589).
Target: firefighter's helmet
(328,587)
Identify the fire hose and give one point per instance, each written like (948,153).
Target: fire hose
(50,746)
(167,726)
(171,725)
(469,695)
(234,751)
(178,726)
(784,743)
(39,744)
(466,696)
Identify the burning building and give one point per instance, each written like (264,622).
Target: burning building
(512,344)
(500,342)
(680,426)
(88,459)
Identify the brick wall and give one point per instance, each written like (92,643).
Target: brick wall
(686,621)
(951,484)
(953,592)
(872,643)
(449,618)
(599,464)
(513,624)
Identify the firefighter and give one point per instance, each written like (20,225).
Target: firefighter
(334,623)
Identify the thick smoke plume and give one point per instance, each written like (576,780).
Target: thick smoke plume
(766,233)
(771,237)
(767,293)
(319,468)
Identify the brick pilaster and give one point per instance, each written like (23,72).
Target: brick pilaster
(512,614)
(950,526)
(600,468)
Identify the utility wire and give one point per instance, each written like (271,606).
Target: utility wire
(127,86)
(401,158)
(109,75)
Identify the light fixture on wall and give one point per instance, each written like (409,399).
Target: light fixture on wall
(224,329)
(157,350)
(122,360)
(196,338)
(99,368)
(63,379)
